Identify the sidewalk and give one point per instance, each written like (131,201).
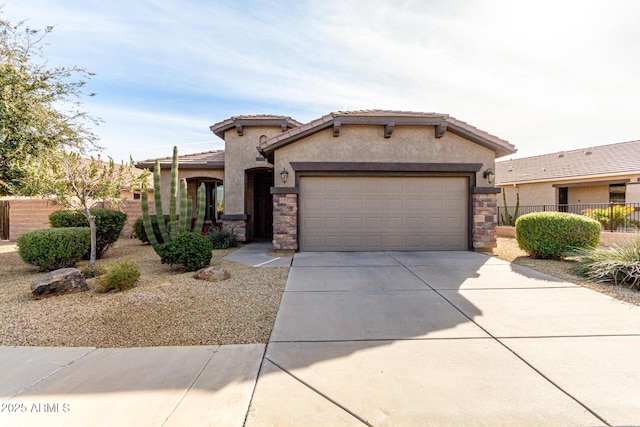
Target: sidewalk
(157,386)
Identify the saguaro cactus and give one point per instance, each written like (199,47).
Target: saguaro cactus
(507,219)
(186,205)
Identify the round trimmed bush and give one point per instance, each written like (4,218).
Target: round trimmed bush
(192,250)
(54,248)
(109,225)
(556,234)
(123,276)
(141,234)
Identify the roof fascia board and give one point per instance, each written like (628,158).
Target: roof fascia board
(466,134)
(565,178)
(223,127)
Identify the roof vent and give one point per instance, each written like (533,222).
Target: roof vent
(561,155)
(588,153)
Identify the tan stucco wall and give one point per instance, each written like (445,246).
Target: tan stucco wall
(588,194)
(240,155)
(544,193)
(366,143)
(633,192)
(530,194)
(165,183)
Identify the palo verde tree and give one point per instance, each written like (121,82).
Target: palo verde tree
(80,184)
(40,107)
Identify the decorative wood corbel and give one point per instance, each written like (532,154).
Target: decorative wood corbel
(336,129)
(388,129)
(239,129)
(440,130)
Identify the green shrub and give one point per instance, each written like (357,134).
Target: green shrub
(89,272)
(109,225)
(222,239)
(611,217)
(123,276)
(140,233)
(619,264)
(556,234)
(54,248)
(192,250)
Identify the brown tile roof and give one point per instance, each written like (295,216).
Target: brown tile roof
(206,160)
(382,117)
(620,158)
(252,120)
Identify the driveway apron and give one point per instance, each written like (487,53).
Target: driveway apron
(444,338)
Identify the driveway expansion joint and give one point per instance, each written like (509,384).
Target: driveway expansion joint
(319,393)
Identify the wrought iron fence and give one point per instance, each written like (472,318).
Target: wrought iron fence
(623,218)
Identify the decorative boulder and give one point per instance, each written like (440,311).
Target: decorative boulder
(212,274)
(58,282)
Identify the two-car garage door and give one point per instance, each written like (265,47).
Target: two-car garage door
(376,213)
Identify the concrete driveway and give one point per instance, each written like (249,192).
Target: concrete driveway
(444,338)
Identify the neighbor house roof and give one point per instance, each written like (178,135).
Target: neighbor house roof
(238,122)
(389,119)
(612,159)
(206,160)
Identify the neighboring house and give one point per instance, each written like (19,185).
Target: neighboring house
(601,174)
(359,180)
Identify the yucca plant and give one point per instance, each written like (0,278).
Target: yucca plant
(619,264)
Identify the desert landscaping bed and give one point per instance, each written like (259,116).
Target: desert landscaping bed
(167,307)
(508,250)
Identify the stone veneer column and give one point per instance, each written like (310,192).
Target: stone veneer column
(485,219)
(285,218)
(237,224)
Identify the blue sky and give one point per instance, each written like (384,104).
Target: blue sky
(544,75)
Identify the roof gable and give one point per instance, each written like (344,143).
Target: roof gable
(389,119)
(206,160)
(612,159)
(239,122)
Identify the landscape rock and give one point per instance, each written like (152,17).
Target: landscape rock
(58,282)
(212,274)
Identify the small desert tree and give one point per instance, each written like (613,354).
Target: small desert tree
(40,105)
(79,184)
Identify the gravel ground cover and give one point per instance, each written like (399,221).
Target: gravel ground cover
(508,250)
(167,307)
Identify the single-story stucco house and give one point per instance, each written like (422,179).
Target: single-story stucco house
(357,180)
(601,174)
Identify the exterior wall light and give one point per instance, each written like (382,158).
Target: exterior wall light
(489,174)
(284,175)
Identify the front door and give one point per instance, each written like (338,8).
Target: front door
(263,205)
(563,198)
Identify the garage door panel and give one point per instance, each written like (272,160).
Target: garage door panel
(383,213)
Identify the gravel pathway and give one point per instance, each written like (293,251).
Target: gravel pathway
(166,308)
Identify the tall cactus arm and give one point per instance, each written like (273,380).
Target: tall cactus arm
(146,220)
(202,200)
(183,207)
(158,199)
(187,220)
(174,191)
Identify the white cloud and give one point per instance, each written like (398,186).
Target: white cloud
(546,75)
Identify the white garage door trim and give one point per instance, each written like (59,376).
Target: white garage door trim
(374,213)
